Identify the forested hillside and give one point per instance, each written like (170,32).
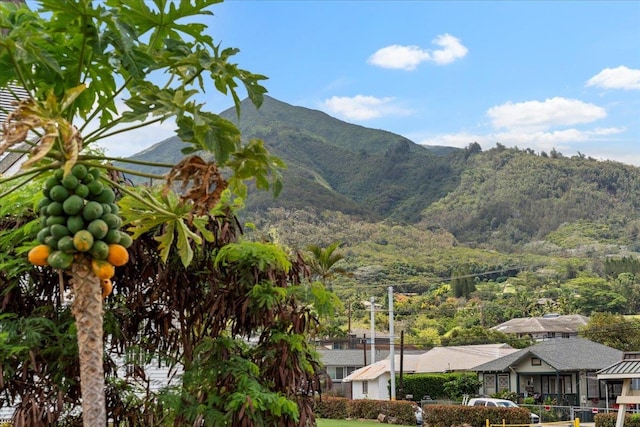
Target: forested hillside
(468,238)
(509,196)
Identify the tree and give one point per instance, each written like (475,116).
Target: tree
(323,260)
(75,59)
(613,330)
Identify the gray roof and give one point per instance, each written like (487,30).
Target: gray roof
(628,367)
(563,354)
(348,357)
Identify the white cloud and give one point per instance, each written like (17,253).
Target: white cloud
(362,107)
(400,57)
(538,125)
(409,57)
(616,78)
(543,115)
(452,49)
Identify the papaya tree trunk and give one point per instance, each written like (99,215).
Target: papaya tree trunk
(88,312)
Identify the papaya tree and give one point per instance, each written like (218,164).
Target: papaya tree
(77,61)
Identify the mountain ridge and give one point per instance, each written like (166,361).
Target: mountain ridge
(507,195)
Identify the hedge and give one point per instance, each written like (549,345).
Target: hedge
(609,420)
(434,415)
(340,408)
(432,385)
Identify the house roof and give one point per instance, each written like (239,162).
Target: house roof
(562,354)
(438,359)
(536,325)
(348,357)
(460,358)
(628,367)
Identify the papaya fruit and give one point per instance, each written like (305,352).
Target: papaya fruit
(92,210)
(99,250)
(55,208)
(73,205)
(83,241)
(79,170)
(125,239)
(98,228)
(107,287)
(102,269)
(58,193)
(118,255)
(59,259)
(39,254)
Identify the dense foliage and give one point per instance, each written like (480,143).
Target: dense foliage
(508,232)
(195,290)
(451,386)
(154,318)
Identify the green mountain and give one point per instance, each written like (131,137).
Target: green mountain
(468,238)
(497,198)
(337,165)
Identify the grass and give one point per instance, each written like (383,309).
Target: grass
(346,423)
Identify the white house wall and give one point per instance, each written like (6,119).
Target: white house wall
(383,387)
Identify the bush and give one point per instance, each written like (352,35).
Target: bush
(437,386)
(458,415)
(334,408)
(401,410)
(609,420)
(434,415)
(340,408)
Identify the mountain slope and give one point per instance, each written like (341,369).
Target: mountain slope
(514,196)
(336,165)
(497,198)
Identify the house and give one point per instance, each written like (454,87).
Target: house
(10,162)
(372,381)
(563,369)
(339,364)
(623,380)
(545,327)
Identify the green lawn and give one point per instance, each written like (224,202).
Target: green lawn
(347,423)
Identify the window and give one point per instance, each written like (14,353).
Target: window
(503,382)
(365,387)
(535,361)
(593,386)
(489,384)
(553,384)
(339,373)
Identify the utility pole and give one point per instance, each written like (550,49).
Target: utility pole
(401,385)
(392,355)
(373,331)
(365,349)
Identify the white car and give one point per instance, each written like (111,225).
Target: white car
(485,401)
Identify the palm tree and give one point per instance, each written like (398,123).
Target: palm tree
(76,59)
(323,262)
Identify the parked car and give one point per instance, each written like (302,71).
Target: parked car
(485,401)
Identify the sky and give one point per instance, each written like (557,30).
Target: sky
(541,75)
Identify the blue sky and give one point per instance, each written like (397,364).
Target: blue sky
(544,75)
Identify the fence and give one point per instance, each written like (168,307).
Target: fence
(549,413)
